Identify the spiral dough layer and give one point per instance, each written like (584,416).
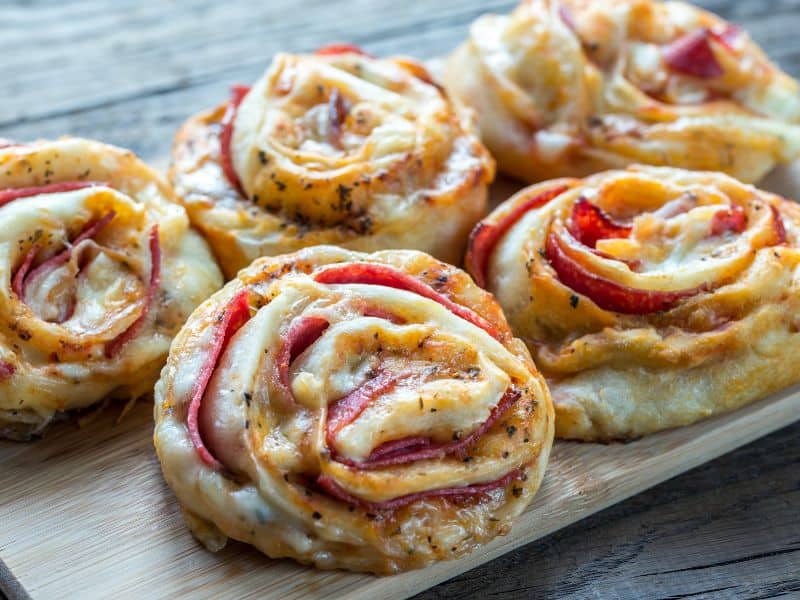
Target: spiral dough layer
(650,298)
(369,412)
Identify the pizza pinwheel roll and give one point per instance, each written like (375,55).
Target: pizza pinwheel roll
(99,271)
(650,298)
(370,412)
(573,87)
(338,148)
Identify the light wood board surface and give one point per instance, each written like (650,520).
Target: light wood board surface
(97,520)
(85,512)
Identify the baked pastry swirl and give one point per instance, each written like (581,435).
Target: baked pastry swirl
(649,298)
(573,87)
(99,271)
(338,148)
(370,412)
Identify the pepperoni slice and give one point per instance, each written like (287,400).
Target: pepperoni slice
(780,229)
(589,223)
(88,232)
(328,484)
(340,48)
(605,293)
(377,274)
(692,54)
(236,314)
(238,92)
(338,109)
(7,369)
(24,275)
(116,344)
(730,219)
(302,333)
(18,282)
(7,196)
(567,18)
(485,236)
(398,452)
(379,313)
(394,448)
(348,408)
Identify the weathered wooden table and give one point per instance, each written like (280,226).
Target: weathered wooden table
(128,72)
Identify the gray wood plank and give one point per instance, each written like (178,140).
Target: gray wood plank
(131,71)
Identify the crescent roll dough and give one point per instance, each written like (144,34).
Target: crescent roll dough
(572,87)
(649,298)
(338,148)
(369,412)
(99,270)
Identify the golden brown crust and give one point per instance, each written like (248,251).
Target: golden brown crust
(280,455)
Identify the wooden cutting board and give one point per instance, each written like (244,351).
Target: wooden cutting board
(86,513)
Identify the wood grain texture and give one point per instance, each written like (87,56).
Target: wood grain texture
(129,72)
(98,520)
